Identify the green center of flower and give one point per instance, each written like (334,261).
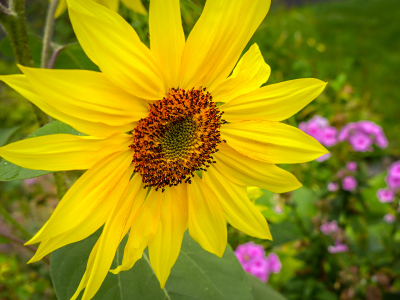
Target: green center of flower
(178,138)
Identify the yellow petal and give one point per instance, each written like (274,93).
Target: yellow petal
(146,219)
(249,172)
(114,46)
(239,210)
(61,152)
(136,6)
(89,268)
(61,7)
(116,227)
(207,223)
(92,127)
(85,195)
(93,222)
(249,74)
(275,102)
(110,4)
(217,40)
(272,142)
(86,94)
(167,38)
(166,244)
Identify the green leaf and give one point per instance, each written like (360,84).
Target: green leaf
(9,171)
(196,274)
(262,291)
(5,134)
(73,57)
(284,232)
(305,201)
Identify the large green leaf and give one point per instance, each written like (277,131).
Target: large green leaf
(9,171)
(284,232)
(305,201)
(5,134)
(72,56)
(197,274)
(262,291)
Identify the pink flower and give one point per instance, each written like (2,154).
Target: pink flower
(385,195)
(389,218)
(360,142)
(318,127)
(31,181)
(394,169)
(275,265)
(351,166)
(362,135)
(333,186)
(338,247)
(393,182)
(330,227)
(349,183)
(328,136)
(253,260)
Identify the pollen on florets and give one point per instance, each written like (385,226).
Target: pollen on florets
(178,137)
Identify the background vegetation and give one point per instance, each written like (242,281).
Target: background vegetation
(354,45)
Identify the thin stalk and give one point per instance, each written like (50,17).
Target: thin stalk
(18,241)
(14,222)
(60,180)
(194,6)
(13,21)
(47,61)
(48,34)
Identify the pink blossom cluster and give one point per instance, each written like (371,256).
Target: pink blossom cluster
(332,228)
(339,247)
(329,227)
(318,127)
(393,178)
(253,260)
(346,175)
(388,194)
(362,135)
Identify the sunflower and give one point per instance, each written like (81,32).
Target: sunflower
(173,134)
(134,5)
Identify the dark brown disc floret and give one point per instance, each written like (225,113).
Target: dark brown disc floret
(178,138)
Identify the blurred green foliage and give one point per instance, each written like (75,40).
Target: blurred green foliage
(354,45)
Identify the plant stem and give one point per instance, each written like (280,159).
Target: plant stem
(61,183)
(14,222)
(47,61)
(13,21)
(21,242)
(194,6)
(48,34)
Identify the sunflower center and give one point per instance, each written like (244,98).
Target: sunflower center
(178,138)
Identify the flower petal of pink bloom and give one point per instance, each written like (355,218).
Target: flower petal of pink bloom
(351,166)
(349,183)
(389,218)
(275,265)
(338,247)
(385,195)
(333,186)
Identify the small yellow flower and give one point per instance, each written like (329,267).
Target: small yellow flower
(162,156)
(134,5)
